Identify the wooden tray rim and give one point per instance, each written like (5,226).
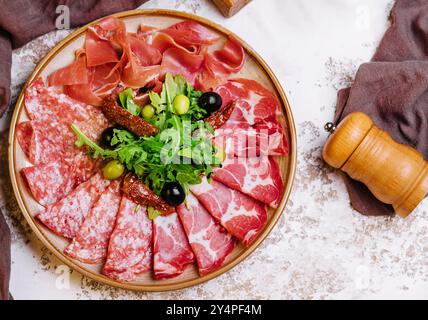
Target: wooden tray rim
(186,283)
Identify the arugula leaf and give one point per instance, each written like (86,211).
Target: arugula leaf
(97,150)
(152,213)
(128,103)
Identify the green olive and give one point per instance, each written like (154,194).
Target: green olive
(181,104)
(113,170)
(148,111)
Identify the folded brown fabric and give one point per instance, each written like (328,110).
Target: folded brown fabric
(20,22)
(4,259)
(393,91)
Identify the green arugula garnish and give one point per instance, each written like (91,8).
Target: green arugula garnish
(127,102)
(181,152)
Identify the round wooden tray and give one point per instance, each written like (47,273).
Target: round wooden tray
(63,54)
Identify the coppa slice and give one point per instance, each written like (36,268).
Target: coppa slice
(242,216)
(258,177)
(91,241)
(66,216)
(257,110)
(209,241)
(172,251)
(130,246)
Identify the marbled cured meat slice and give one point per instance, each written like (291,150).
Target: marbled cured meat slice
(190,33)
(99,50)
(48,183)
(47,103)
(258,177)
(180,61)
(44,141)
(171,248)
(91,241)
(211,244)
(242,216)
(66,216)
(130,247)
(257,111)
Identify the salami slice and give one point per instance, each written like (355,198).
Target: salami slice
(48,183)
(130,247)
(211,244)
(171,248)
(242,216)
(91,241)
(66,216)
(43,142)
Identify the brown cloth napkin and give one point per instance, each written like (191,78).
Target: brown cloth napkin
(393,91)
(20,22)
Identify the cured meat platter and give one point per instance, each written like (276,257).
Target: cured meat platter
(108,209)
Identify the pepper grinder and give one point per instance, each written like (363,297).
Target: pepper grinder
(396,174)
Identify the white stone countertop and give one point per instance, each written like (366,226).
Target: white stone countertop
(321,248)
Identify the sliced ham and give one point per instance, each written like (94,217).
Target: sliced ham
(171,249)
(91,241)
(67,215)
(162,41)
(258,177)
(211,244)
(240,215)
(130,246)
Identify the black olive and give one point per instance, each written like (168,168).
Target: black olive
(106,137)
(173,193)
(210,101)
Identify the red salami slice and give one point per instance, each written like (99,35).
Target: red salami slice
(50,182)
(171,248)
(130,247)
(47,103)
(66,216)
(44,142)
(211,244)
(91,241)
(241,215)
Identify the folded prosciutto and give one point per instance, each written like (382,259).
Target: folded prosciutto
(171,248)
(130,247)
(258,177)
(211,244)
(91,241)
(67,215)
(240,215)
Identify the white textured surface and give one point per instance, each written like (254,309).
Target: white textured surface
(321,248)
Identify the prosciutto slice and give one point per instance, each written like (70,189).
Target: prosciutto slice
(191,33)
(99,50)
(75,73)
(180,61)
(91,241)
(171,248)
(218,66)
(258,177)
(130,246)
(211,244)
(66,216)
(240,215)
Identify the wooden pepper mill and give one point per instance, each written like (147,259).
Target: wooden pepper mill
(395,173)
